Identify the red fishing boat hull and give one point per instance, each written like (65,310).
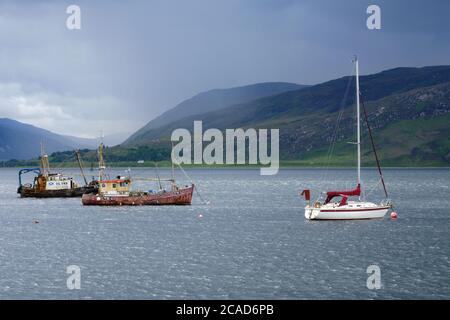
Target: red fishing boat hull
(182,196)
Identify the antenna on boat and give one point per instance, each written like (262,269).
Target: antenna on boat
(358,125)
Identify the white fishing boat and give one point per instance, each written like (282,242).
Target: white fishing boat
(345,209)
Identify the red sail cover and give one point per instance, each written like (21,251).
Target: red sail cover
(332,194)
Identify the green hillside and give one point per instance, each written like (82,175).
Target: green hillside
(408,108)
(286,109)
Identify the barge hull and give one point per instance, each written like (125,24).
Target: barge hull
(71,193)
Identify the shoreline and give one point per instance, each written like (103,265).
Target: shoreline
(240,167)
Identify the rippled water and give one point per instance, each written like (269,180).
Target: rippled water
(252,242)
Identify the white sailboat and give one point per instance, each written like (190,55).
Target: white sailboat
(349,209)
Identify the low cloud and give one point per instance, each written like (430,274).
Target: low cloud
(64,114)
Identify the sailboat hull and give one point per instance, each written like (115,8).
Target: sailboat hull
(378,212)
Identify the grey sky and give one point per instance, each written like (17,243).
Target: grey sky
(133,60)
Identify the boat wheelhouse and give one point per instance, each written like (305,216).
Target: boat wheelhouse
(118,186)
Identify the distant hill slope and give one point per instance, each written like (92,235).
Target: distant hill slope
(22,141)
(327,97)
(408,107)
(214,100)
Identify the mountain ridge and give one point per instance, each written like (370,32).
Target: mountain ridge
(285,107)
(22,141)
(213,100)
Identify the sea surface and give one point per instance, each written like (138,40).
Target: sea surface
(250,242)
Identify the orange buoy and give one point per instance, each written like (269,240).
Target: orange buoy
(394,215)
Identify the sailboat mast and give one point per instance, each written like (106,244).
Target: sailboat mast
(358,126)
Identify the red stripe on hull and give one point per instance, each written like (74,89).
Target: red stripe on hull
(353,210)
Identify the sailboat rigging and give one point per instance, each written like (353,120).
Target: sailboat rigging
(346,209)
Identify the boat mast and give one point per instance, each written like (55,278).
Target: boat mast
(157,175)
(358,129)
(45,166)
(77,153)
(173,173)
(101,162)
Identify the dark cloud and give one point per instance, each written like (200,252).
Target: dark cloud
(133,60)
